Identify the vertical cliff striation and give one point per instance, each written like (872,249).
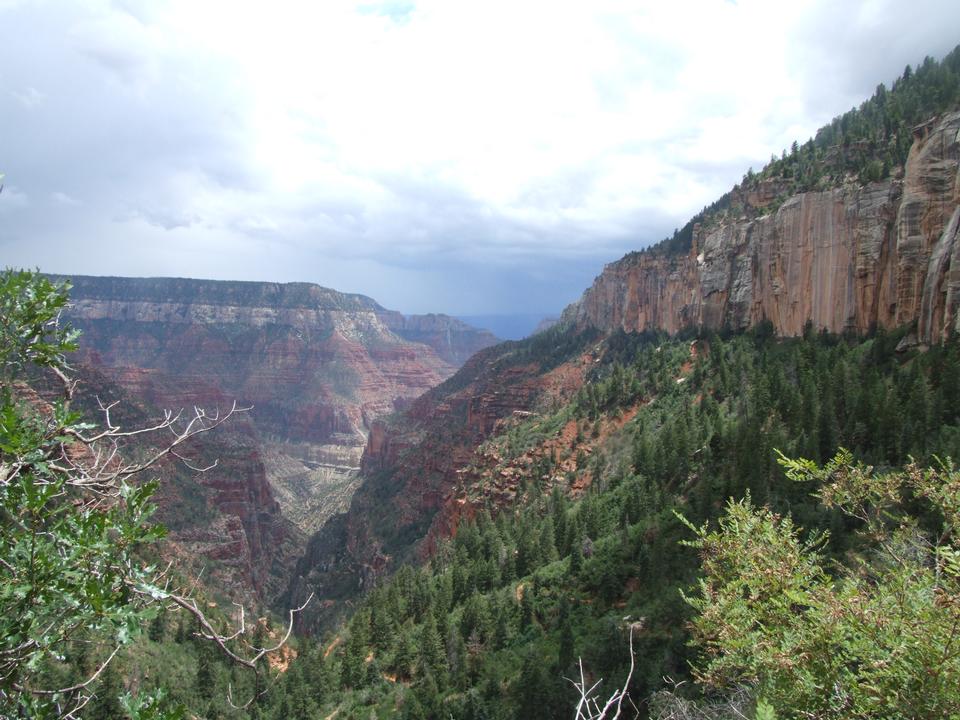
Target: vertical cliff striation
(849,258)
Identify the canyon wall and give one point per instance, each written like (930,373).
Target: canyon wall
(882,254)
(316,366)
(414,462)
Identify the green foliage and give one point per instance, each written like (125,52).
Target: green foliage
(30,332)
(875,638)
(77,587)
(505,608)
(765,711)
(70,531)
(490,627)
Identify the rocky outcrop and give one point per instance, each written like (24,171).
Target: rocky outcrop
(244,541)
(545,324)
(317,368)
(844,259)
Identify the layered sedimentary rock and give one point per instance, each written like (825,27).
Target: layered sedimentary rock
(454,341)
(224,525)
(318,368)
(236,531)
(882,254)
(412,463)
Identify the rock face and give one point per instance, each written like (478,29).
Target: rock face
(318,368)
(884,254)
(224,524)
(413,462)
(453,340)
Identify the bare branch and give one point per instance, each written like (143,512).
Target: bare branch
(588,707)
(208,632)
(193,467)
(78,686)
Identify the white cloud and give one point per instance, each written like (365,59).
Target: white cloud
(12,199)
(355,143)
(29,97)
(61,198)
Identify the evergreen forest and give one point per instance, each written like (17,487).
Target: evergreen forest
(493,626)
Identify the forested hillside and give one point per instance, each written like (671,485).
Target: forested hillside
(573,471)
(664,428)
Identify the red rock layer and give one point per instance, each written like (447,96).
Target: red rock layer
(317,367)
(884,254)
(411,495)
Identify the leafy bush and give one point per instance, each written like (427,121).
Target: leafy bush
(875,638)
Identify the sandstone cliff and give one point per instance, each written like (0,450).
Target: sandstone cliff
(317,366)
(883,254)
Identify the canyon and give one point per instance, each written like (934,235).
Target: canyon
(315,367)
(361,437)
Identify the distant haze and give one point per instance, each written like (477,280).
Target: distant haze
(483,158)
(506,327)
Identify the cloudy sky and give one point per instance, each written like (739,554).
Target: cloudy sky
(462,157)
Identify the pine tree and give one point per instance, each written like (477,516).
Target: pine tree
(535,692)
(157,628)
(576,555)
(526,608)
(205,678)
(105,704)
(565,656)
(405,654)
(353,670)
(433,656)
(382,629)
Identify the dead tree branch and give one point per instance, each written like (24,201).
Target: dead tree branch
(588,705)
